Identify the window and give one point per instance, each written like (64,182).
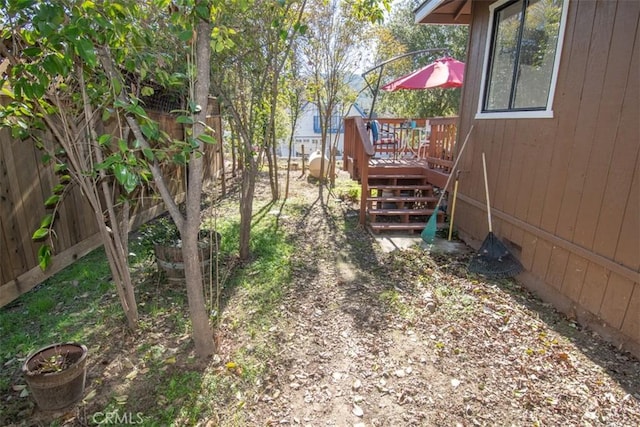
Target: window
(335,126)
(522,57)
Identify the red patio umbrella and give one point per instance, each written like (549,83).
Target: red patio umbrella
(445,72)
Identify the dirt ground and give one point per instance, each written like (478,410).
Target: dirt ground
(410,338)
(366,337)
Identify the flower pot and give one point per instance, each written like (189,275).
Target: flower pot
(61,386)
(170,261)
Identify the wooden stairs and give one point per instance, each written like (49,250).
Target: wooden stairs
(399,200)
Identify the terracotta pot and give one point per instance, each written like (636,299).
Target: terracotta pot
(61,388)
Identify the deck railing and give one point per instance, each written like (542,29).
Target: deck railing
(401,138)
(439,152)
(398,138)
(357,152)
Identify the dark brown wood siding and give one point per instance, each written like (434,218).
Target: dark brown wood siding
(565,191)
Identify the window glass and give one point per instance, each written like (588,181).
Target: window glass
(523,52)
(335,125)
(504,49)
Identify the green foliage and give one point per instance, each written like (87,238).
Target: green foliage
(161,231)
(370,10)
(67,57)
(44,256)
(348,191)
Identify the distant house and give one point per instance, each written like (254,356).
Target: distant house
(308,134)
(552,89)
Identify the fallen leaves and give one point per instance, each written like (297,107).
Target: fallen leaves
(453,350)
(22,388)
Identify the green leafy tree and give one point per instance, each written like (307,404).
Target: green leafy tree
(56,86)
(329,53)
(69,66)
(401,35)
(247,80)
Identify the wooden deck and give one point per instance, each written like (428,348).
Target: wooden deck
(435,176)
(401,178)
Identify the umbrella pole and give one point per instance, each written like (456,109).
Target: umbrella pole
(375,92)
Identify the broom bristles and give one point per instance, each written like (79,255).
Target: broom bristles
(429,232)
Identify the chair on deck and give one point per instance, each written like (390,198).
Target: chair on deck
(385,138)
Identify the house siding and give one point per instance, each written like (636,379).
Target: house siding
(565,191)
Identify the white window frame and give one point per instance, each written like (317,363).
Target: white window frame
(534,114)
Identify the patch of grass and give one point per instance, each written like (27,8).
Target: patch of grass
(177,396)
(456,303)
(347,191)
(57,309)
(41,306)
(393,299)
(263,280)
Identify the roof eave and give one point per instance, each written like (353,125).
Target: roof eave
(454,12)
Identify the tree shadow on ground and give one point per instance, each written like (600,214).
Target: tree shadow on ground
(348,248)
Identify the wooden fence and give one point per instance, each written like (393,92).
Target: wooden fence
(26,182)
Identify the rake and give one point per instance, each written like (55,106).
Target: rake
(493,259)
(429,232)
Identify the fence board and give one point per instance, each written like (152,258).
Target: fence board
(542,165)
(592,94)
(27,281)
(631,324)
(541,258)
(530,151)
(594,285)
(623,176)
(25,182)
(14,216)
(557,267)
(609,99)
(574,276)
(8,238)
(628,249)
(616,300)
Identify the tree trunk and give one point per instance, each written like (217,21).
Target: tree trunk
(121,275)
(202,330)
(114,232)
(246,208)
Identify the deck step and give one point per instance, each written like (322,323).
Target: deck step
(397,176)
(393,193)
(400,187)
(396,226)
(393,199)
(410,212)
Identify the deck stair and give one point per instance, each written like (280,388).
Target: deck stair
(399,201)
